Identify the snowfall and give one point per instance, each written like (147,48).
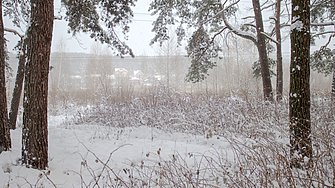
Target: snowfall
(95,154)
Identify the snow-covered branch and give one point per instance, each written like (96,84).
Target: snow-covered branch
(268,37)
(58,18)
(250,24)
(236,31)
(323,48)
(268,6)
(323,33)
(273,18)
(248,17)
(14,32)
(323,24)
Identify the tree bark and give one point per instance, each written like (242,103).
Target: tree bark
(279,54)
(259,41)
(299,99)
(35,123)
(333,84)
(17,89)
(5,141)
(263,57)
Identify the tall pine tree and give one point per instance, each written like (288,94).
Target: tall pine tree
(5,142)
(299,99)
(35,121)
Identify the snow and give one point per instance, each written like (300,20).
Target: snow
(70,147)
(295,18)
(214,142)
(298,67)
(298,25)
(296,8)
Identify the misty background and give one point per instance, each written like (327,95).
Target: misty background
(85,72)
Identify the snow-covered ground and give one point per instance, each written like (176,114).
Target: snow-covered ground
(176,143)
(71,150)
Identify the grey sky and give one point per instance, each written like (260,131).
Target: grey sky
(139,36)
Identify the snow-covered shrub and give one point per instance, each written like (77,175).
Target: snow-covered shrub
(257,132)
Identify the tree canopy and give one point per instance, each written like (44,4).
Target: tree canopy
(206,21)
(100,18)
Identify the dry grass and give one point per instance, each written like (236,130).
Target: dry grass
(257,132)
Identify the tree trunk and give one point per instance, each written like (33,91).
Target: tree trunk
(35,123)
(279,54)
(17,89)
(259,41)
(333,84)
(263,57)
(299,102)
(5,142)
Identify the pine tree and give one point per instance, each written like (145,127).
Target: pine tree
(91,16)
(18,11)
(209,19)
(299,99)
(279,53)
(35,121)
(5,142)
(15,102)
(322,18)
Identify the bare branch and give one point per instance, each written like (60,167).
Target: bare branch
(323,24)
(325,46)
(58,18)
(271,5)
(250,24)
(46,175)
(235,30)
(323,33)
(105,164)
(14,32)
(268,37)
(248,17)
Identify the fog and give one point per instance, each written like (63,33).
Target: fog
(99,77)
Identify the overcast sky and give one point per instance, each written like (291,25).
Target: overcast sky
(139,36)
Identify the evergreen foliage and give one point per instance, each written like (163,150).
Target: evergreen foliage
(256,66)
(322,11)
(18,11)
(100,18)
(201,50)
(206,21)
(323,61)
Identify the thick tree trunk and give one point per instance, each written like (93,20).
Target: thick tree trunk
(35,123)
(299,105)
(17,90)
(333,84)
(5,142)
(263,58)
(279,54)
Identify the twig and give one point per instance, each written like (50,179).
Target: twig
(14,32)
(105,164)
(49,179)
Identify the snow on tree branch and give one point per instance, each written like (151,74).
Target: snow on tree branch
(201,49)
(85,16)
(236,31)
(14,32)
(270,38)
(323,24)
(323,33)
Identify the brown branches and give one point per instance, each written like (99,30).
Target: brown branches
(14,32)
